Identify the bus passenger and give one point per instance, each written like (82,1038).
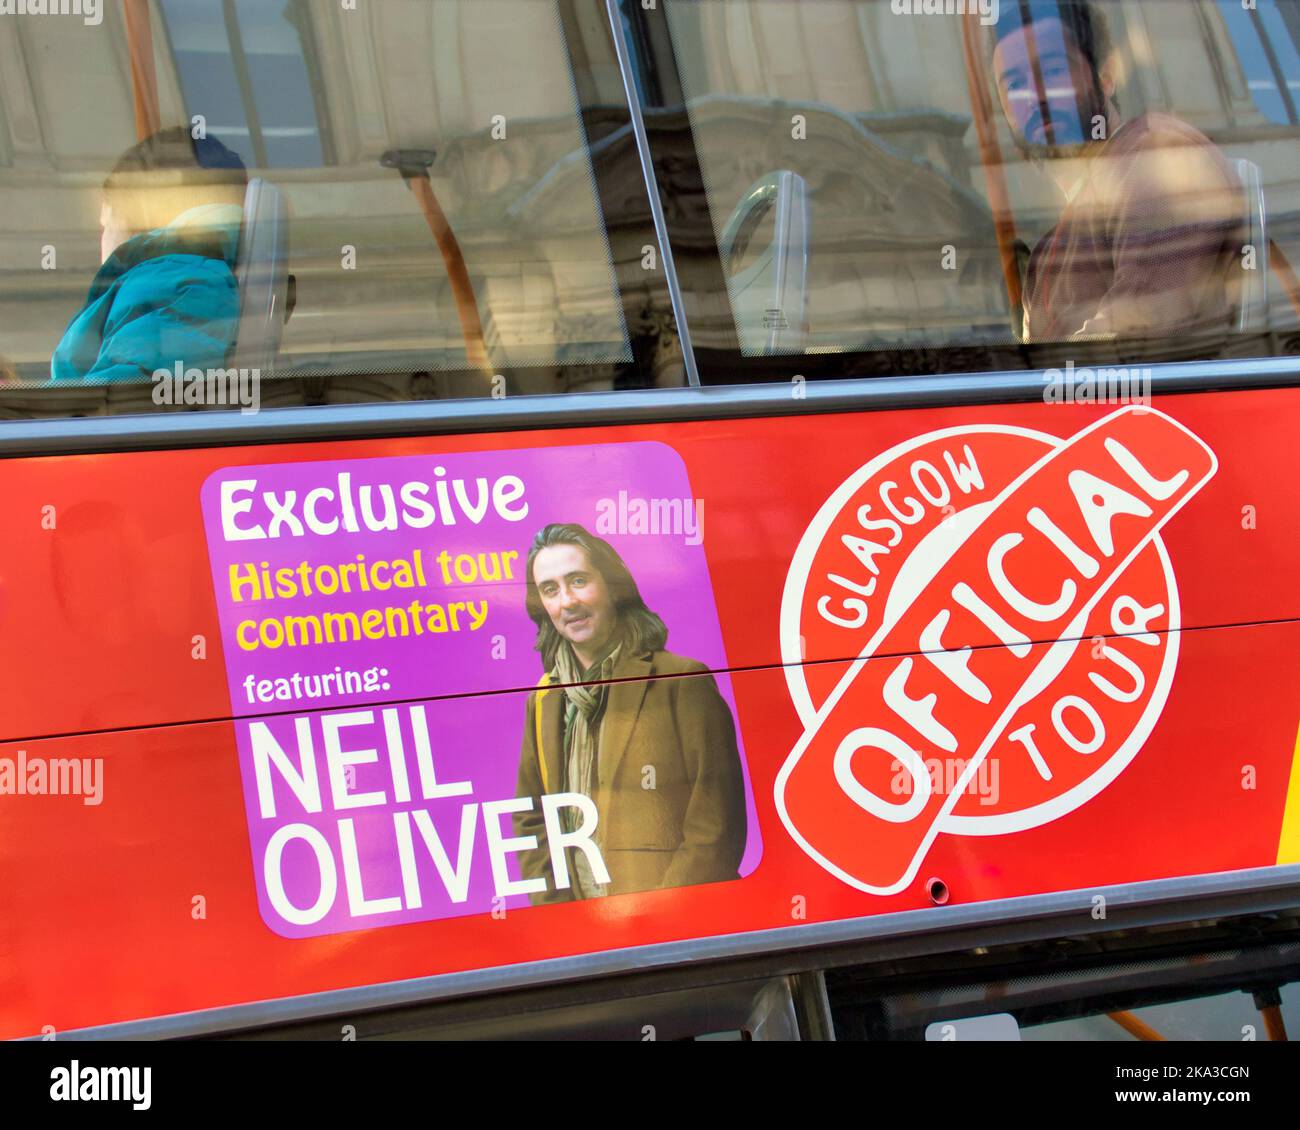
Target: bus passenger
(1152,222)
(658,756)
(166,292)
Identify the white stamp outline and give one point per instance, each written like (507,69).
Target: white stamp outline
(812,716)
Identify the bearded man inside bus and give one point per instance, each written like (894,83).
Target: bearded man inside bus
(618,718)
(1152,225)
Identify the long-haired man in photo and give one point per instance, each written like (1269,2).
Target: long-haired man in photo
(656,753)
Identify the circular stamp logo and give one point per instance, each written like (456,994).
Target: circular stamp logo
(1007,617)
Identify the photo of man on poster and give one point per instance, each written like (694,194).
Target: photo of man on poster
(656,754)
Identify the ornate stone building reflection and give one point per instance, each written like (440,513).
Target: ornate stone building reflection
(887,151)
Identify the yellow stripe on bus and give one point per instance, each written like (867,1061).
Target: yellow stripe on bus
(1288,847)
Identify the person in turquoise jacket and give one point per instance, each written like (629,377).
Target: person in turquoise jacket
(166,292)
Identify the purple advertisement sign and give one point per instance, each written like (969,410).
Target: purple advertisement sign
(368,609)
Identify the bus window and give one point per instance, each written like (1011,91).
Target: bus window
(1222,1016)
(1112,990)
(391,201)
(1264,38)
(1013,188)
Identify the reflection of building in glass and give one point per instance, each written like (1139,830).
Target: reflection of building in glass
(253,75)
(1265,34)
(871,110)
(911,181)
(312,94)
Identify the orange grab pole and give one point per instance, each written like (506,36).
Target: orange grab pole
(1135,1026)
(461,287)
(144,77)
(1286,273)
(1273,1024)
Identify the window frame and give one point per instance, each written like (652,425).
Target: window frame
(613,168)
(727,365)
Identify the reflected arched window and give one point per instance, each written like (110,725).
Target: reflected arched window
(1265,35)
(248,67)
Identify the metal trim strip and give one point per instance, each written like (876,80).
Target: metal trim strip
(179,430)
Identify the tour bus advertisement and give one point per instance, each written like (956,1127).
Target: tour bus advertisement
(308,717)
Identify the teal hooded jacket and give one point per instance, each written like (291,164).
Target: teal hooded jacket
(165,296)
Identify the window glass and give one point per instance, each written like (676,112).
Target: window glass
(1221,1016)
(1066,180)
(243,67)
(1264,40)
(426,210)
(1107,994)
